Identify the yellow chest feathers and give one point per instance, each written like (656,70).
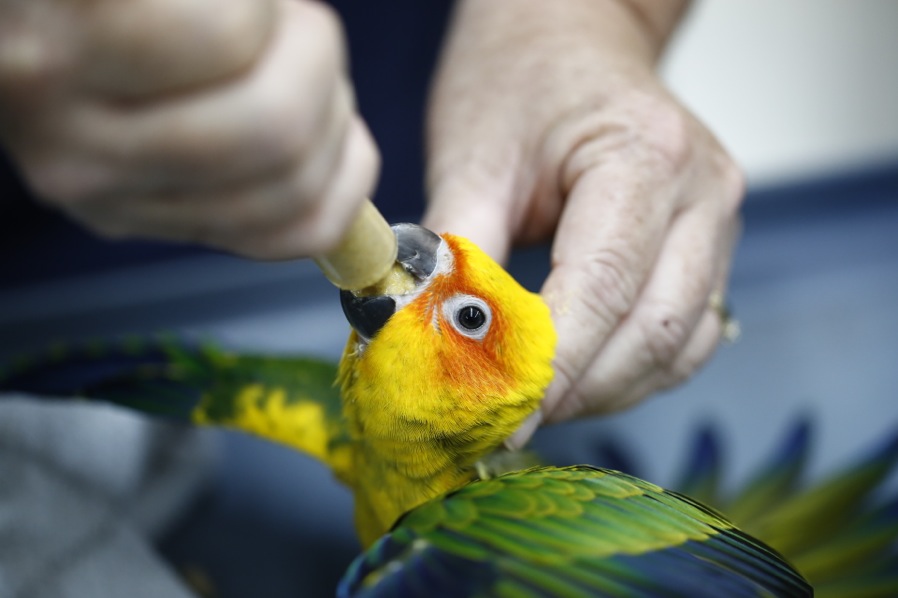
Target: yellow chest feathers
(449,376)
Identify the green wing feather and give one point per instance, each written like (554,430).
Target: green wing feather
(835,532)
(576,531)
(291,400)
(287,399)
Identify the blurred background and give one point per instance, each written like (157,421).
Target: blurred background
(804,94)
(795,90)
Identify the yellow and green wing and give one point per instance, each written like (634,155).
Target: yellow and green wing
(286,399)
(576,531)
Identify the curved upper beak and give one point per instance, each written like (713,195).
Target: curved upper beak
(418,250)
(367,315)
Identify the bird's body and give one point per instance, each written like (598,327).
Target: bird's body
(573,532)
(435,379)
(426,398)
(437,375)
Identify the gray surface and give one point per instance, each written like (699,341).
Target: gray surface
(84,491)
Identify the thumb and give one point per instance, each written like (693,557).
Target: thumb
(473,206)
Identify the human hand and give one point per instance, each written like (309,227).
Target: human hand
(227,123)
(548,119)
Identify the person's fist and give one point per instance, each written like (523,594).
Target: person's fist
(230,123)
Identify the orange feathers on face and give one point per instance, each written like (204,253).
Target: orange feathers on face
(453,372)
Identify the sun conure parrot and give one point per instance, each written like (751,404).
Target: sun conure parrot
(433,380)
(437,377)
(434,377)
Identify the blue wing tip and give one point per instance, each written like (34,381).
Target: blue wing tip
(706,451)
(889,450)
(612,454)
(798,439)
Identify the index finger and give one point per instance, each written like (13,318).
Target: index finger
(147,47)
(606,243)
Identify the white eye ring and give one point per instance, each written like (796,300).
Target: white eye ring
(469,315)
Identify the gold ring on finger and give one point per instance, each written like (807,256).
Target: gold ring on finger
(730,330)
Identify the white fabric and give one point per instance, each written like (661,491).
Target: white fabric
(84,489)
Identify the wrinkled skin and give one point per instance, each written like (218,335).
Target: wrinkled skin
(225,122)
(549,121)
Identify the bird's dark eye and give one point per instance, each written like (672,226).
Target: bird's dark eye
(471,317)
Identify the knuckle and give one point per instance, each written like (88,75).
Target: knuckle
(666,135)
(646,130)
(610,288)
(124,56)
(240,30)
(340,182)
(588,150)
(30,67)
(295,120)
(62,181)
(733,183)
(326,21)
(666,333)
(318,34)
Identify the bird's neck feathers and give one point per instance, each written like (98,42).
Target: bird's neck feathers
(424,403)
(403,456)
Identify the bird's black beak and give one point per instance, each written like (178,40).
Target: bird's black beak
(418,250)
(367,314)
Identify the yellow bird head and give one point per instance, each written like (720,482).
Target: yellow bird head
(436,377)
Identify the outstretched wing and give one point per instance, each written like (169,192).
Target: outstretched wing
(287,399)
(576,531)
